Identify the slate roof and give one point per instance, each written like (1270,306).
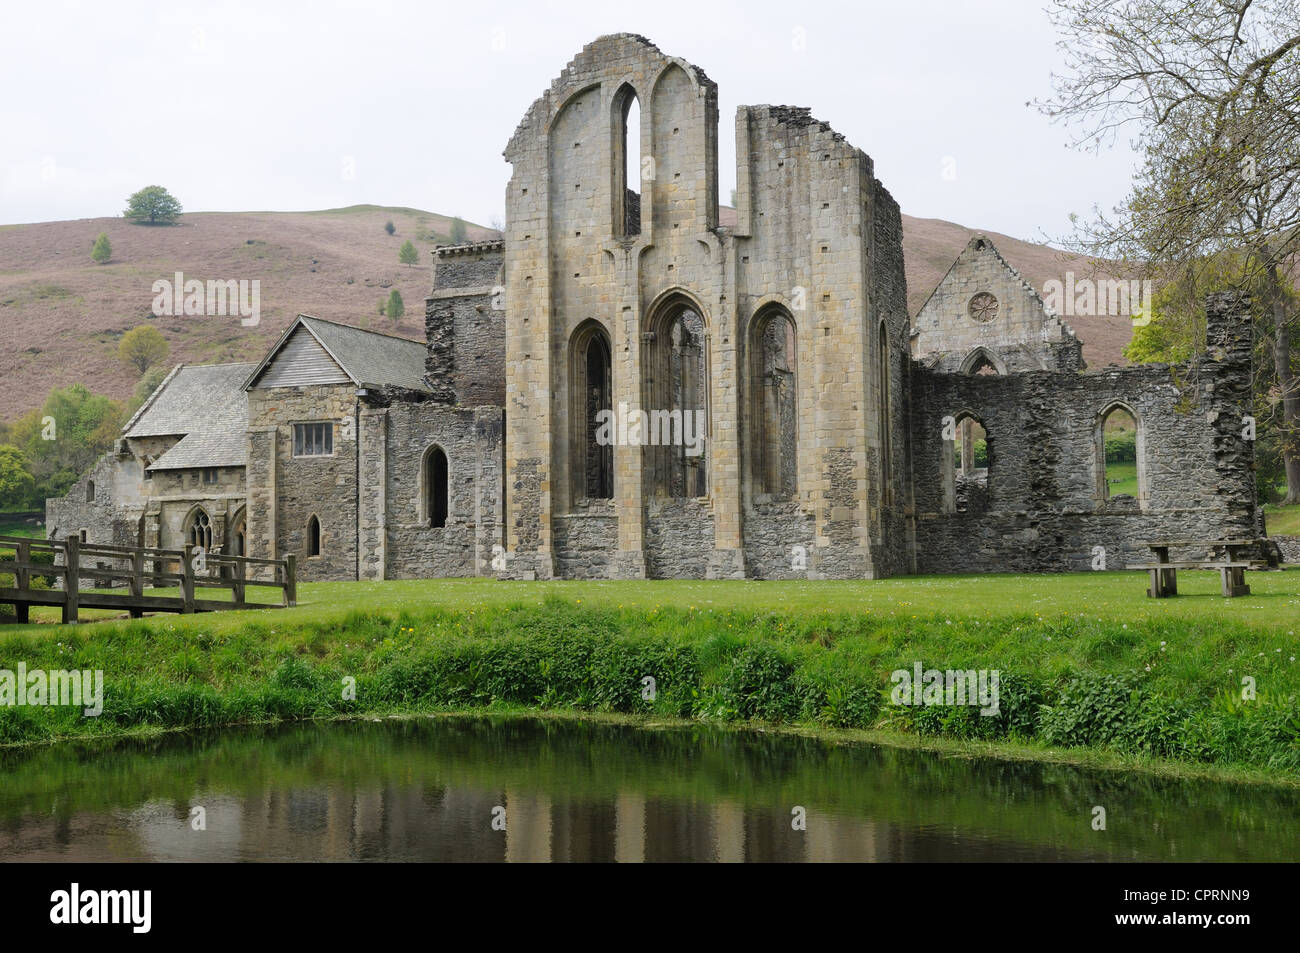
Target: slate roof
(206,406)
(371,359)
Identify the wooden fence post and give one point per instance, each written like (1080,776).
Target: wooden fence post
(22,579)
(137,582)
(71,578)
(237,574)
(290,580)
(187,579)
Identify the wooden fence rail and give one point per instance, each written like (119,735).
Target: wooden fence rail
(183,570)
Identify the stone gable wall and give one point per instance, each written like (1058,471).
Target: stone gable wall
(285,491)
(1022,337)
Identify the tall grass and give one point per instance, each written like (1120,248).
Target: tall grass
(1168,688)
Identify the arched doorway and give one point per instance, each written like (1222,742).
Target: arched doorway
(236,542)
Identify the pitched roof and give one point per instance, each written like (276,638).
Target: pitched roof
(203,404)
(369,358)
(225,449)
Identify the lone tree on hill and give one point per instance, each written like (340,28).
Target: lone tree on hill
(101,251)
(153,205)
(142,347)
(389,227)
(458,231)
(1209,92)
(395,308)
(407,255)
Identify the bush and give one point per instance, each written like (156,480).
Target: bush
(759,683)
(837,698)
(1091,709)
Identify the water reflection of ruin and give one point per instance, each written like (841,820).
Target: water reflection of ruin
(442,824)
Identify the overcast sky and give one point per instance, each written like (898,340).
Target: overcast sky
(278,105)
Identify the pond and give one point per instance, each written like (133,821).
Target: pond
(531,789)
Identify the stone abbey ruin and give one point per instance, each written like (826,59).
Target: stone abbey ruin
(543,429)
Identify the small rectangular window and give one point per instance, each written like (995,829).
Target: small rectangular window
(313,440)
(210,475)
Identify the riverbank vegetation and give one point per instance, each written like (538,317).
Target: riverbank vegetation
(1085,661)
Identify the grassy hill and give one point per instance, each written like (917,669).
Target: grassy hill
(61,315)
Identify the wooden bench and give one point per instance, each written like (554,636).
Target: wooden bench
(1232,569)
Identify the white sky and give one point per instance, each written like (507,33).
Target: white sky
(251,106)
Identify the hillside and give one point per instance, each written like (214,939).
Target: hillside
(61,315)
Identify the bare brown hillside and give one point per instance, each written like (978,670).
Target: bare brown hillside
(61,315)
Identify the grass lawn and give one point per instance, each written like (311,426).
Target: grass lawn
(1125,475)
(1118,597)
(11,527)
(1282,520)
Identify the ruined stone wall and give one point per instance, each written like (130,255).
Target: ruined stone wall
(113,517)
(130,510)
(1046,508)
(1017,332)
(586,541)
(571,259)
(821,238)
(465,326)
(679,540)
(1289,547)
(397,539)
(285,491)
(818,240)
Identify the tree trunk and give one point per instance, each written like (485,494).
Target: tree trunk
(1288,385)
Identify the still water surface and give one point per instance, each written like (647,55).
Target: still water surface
(430,789)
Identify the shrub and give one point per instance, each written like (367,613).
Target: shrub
(837,698)
(1091,709)
(759,684)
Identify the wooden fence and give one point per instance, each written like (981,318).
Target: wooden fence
(133,568)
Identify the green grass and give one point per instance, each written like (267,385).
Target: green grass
(11,527)
(802,653)
(1124,477)
(1282,520)
(1109,596)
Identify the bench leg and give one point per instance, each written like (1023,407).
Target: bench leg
(1164,583)
(21,610)
(1234,583)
